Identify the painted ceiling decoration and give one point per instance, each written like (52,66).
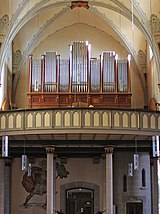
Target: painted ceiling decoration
(79,4)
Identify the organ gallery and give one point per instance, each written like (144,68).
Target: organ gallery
(80,80)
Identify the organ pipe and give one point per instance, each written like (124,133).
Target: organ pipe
(79,74)
(43,71)
(30,74)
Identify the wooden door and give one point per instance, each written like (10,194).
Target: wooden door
(134,208)
(80,203)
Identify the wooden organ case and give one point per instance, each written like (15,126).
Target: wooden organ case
(81,81)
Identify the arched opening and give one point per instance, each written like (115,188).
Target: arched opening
(80,201)
(90,189)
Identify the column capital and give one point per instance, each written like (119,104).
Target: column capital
(8,161)
(108,149)
(50,149)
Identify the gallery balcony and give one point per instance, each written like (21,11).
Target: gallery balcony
(75,123)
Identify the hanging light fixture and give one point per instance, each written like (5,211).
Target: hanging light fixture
(5,146)
(136,161)
(24,162)
(136,157)
(130,169)
(29,169)
(155,146)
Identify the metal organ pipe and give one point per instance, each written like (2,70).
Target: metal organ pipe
(36,75)
(122,75)
(50,71)
(80,74)
(43,71)
(30,74)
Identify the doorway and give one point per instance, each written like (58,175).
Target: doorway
(135,208)
(80,201)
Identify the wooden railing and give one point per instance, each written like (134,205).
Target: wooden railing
(79,120)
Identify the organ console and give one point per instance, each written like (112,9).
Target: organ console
(81,81)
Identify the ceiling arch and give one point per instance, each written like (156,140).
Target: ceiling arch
(95,11)
(41,5)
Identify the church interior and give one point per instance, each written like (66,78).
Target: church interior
(79,107)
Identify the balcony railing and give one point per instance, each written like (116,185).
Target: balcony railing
(79,120)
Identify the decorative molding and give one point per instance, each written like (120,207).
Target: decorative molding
(78,4)
(155,27)
(155,24)
(4,25)
(142,58)
(109,149)
(17,57)
(8,161)
(50,149)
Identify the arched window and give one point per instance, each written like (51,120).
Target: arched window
(143,178)
(124,183)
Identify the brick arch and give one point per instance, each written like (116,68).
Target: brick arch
(79,184)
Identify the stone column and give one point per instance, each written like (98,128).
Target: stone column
(155,173)
(158,179)
(109,180)
(2,185)
(51,177)
(7,186)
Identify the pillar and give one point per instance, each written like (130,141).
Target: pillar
(2,185)
(7,186)
(51,177)
(158,179)
(109,180)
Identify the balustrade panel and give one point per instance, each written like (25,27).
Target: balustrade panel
(125,120)
(67,119)
(18,121)
(116,119)
(106,119)
(134,120)
(29,120)
(10,121)
(147,122)
(3,122)
(96,118)
(153,122)
(58,119)
(76,119)
(47,119)
(38,120)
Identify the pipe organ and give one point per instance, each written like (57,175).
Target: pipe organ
(79,80)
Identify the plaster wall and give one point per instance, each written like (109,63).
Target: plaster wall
(79,170)
(60,42)
(135,191)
